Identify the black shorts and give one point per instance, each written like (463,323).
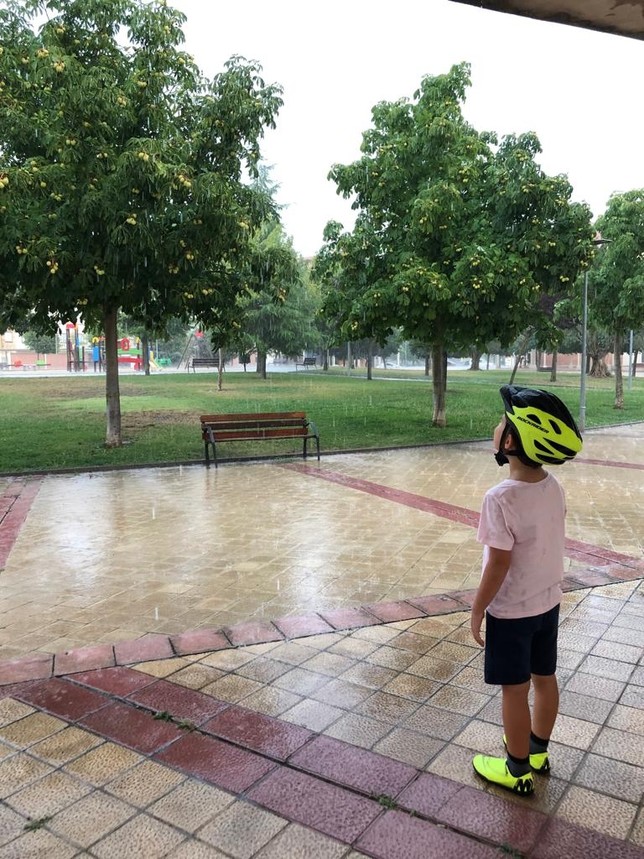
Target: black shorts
(517,648)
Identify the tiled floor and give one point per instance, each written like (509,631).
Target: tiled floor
(347,727)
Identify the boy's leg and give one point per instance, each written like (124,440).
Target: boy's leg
(516,719)
(546,704)
(507,664)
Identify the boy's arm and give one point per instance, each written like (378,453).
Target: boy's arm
(496,569)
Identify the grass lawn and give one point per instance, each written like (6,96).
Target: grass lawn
(59,422)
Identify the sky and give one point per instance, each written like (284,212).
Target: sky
(580,91)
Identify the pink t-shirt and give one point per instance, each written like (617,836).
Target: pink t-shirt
(528,519)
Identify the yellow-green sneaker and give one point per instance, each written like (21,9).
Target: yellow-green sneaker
(539,762)
(496,770)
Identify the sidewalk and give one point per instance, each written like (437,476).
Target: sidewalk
(274,661)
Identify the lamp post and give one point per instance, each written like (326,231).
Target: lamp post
(584,356)
(597,241)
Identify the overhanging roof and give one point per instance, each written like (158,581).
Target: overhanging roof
(621,17)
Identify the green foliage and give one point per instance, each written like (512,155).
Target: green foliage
(276,308)
(121,169)
(616,279)
(457,240)
(42,344)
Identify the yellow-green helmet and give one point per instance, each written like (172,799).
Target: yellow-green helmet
(544,428)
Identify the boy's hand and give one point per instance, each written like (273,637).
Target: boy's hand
(476,619)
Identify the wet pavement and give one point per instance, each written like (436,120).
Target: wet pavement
(273,660)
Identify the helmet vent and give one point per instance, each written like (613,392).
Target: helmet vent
(534,418)
(555,427)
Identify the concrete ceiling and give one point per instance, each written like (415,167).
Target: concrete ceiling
(621,17)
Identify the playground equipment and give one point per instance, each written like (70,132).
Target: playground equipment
(73,346)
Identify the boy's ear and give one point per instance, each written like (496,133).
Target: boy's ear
(509,442)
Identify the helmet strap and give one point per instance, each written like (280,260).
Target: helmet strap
(500,455)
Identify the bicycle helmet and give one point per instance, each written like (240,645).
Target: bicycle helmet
(544,431)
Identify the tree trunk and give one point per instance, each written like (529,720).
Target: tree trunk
(325,365)
(261,363)
(517,361)
(598,368)
(538,358)
(438,385)
(476,359)
(145,353)
(619,380)
(369,362)
(428,364)
(553,370)
(220,369)
(112,394)
(523,345)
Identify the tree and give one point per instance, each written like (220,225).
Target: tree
(276,308)
(121,170)
(617,275)
(42,344)
(456,238)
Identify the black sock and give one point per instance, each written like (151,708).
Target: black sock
(518,766)
(537,745)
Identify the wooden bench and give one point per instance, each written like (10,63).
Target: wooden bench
(204,362)
(256,427)
(307,362)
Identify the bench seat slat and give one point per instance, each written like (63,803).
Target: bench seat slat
(259,433)
(255,425)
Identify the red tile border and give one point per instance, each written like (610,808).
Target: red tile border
(133,728)
(14,689)
(611,463)
(349,618)
(590,578)
(438,604)
(307,800)
(428,794)
(63,699)
(353,767)
(199,641)
(299,626)
(154,646)
(561,838)
(119,681)
(145,649)
(574,548)
(389,612)
(252,632)
(389,493)
(27,668)
(465,597)
(216,762)
(397,835)
(84,659)
(257,732)
(492,818)
(182,703)
(15,504)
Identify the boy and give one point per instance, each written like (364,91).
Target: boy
(522,529)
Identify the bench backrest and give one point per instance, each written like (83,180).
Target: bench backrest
(231,427)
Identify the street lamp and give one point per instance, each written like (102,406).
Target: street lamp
(597,241)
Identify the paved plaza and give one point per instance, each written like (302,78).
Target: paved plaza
(273,660)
